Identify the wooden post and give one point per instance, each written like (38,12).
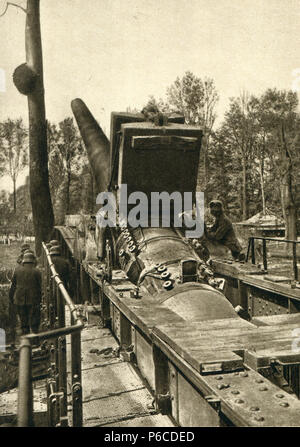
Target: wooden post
(28,79)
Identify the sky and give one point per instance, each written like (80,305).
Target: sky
(114,54)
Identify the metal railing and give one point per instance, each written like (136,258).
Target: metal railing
(55,299)
(251,251)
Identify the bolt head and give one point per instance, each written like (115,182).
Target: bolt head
(284,404)
(222,386)
(239,401)
(263,388)
(259,418)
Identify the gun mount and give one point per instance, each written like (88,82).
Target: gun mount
(205,364)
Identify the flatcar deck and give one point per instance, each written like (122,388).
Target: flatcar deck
(114,395)
(207,373)
(222,358)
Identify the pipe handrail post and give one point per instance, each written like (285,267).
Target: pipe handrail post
(25,395)
(76,378)
(295,266)
(253,250)
(265,261)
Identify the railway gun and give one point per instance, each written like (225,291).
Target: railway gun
(175,316)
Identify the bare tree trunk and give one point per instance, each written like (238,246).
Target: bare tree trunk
(93,192)
(262,186)
(42,210)
(244,190)
(68,192)
(15,195)
(206,166)
(288,204)
(202,171)
(60,203)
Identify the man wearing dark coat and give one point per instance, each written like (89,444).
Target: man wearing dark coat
(24,247)
(62,266)
(222,230)
(26,293)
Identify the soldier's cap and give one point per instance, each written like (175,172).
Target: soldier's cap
(54,243)
(28,250)
(24,247)
(28,258)
(216,203)
(55,250)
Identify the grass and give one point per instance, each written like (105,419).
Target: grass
(9,255)
(8,260)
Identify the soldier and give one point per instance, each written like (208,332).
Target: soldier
(11,306)
(24,247)
(26,293)
(32,252)
(62,266)
(222,231)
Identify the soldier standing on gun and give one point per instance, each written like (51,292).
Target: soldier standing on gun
(26,293)
(222,231)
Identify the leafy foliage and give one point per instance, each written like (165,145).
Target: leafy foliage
(67,160)
(14,150)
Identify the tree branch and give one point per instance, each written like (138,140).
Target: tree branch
(12,4)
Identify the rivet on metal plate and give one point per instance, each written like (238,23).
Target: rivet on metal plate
(222,386)
(259,418)
(239,401)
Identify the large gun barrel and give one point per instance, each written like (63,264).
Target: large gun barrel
(96,143)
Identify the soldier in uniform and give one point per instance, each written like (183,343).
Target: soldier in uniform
(11,306)
(54,243)
(62,266)
(32,252)
(24,247)
(222,231)
(26,293)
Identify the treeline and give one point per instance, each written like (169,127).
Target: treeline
(70,176)
(250,161)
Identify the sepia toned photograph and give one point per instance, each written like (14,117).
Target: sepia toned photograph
(149,223)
